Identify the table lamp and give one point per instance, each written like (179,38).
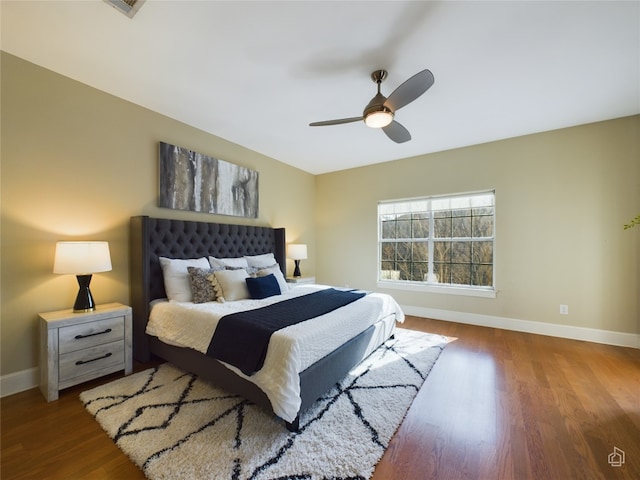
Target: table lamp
(82,259)
(297,252)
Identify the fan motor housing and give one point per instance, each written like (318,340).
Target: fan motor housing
(376,105)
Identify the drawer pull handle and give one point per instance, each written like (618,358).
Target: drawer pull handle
(82,362)
(78,337)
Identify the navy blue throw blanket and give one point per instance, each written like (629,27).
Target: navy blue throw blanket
(241,339)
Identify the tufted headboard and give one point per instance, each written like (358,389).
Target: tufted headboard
(152,238)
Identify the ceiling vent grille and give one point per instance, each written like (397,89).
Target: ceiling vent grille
(128,7)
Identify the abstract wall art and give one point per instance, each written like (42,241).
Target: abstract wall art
(192,181)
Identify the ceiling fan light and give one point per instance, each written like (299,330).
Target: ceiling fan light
(379,119)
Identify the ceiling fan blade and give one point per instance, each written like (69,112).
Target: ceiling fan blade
(397,132)
(410,90)
(335,122)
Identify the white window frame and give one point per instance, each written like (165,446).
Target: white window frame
(430,286)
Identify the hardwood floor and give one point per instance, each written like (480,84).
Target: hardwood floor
(497,405)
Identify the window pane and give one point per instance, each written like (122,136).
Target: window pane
(442,225)
(483,275)
(442,251)
(442,214)
(421,251)
(403,251)
(388,227)
(404,227)
(461,226)
(405,270)
(461,274)
(461,252)
(482,211)
(483,226)
(420,224)
(483,253)
(419,272)
(442,272)
(387,265)
(389,273)
(461,212)
(388,252)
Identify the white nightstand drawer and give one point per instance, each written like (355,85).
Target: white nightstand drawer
(91,360)
(90,334)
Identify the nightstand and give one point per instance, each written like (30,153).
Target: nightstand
(301,280)
(76,347)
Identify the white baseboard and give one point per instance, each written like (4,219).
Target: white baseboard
(551,329)
(19,381)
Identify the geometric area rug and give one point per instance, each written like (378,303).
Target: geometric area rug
(175,426)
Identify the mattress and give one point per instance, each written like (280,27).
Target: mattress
(291,350)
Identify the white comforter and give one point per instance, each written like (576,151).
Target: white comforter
(291,350)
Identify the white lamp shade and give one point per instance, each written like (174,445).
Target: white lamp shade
(297,251)
(82,258)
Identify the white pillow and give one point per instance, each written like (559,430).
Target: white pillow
(233,284)
(176,276)
(239,262)
(260,261)
(275,270)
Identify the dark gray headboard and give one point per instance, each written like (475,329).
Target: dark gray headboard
(152,238)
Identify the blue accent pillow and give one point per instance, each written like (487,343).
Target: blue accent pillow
(263,287)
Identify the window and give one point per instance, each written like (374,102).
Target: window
(438,241)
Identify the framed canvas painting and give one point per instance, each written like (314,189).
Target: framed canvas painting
(192,181)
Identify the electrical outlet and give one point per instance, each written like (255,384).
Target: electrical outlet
(564,309)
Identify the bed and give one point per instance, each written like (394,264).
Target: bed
(152,238)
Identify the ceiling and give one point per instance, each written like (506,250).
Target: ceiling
(257,73)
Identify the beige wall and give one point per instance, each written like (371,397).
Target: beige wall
(76,164)
(562,199)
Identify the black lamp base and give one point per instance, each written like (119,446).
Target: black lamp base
(84,300)
(296,271)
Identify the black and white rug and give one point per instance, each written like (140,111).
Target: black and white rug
(175,426)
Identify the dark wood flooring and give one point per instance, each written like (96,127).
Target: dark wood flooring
(497,405)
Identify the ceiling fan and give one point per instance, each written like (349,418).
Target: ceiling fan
(380,111)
